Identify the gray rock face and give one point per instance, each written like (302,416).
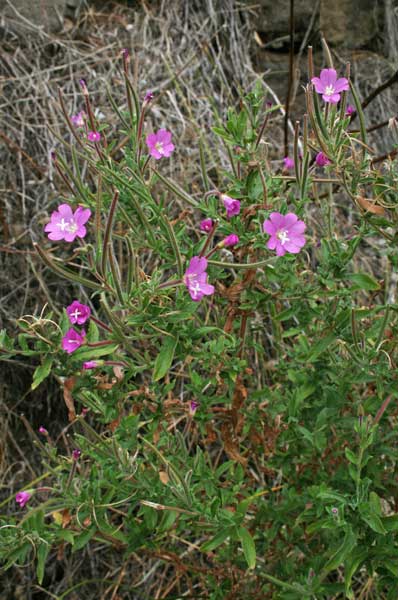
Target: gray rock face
(346,23)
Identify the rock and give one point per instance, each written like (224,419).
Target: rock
(350,24)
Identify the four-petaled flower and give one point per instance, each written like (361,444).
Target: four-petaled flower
(72,340)
(195,278)
(206,225)
(22,498)
(159,144)
(286,233)
(231,205)
(94,136)
(78,313)
(329,86)
(66,224)
(78,120)
(230,240)
(288,163)
(322,160)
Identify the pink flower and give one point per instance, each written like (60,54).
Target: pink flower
(206,225)
(230,240)
(159,144)
(349,110)
(78,120)
(90,364)
(149,96)
(76,454)
(43,430)
(66,224)
(94,136)
(193,407)
(195,278)
(322,160)
(288,163)
(232,206)
(286,233)
(78,313)
(22,498)
(72,340)
(329,86)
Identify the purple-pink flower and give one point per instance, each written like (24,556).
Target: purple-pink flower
(78,120)
(66,224)
(159,144)
(193,407)
(90,364)
(230,240)
(329,86)
(349,110)
(72,340)
(76,454)
(195,278)
(22,498)
(231,205)
(94,136)
(78,313)
(43,430)
(288,163)
(322,160)
(149,96)
(206,225)
(286,233)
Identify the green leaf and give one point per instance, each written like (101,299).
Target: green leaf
(249,549)
(363,281)
(351,565)
(351,456)
(91,353)
(216,541)
(165,358)
(41,372)
(320,347)
(42,554)
(342,552)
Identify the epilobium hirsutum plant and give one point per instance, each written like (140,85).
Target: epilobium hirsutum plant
(229,368)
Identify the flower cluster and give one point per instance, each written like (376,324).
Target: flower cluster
(78,314)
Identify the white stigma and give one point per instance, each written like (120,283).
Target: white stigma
(159,147)
(63,224)
(282,236)
(329,90)
(72,227)
(75,314)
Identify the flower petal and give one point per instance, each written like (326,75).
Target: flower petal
(269,227)
(341,85)
(164,136)
(319,87)
(289,220)
(328,77)
(277,219)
